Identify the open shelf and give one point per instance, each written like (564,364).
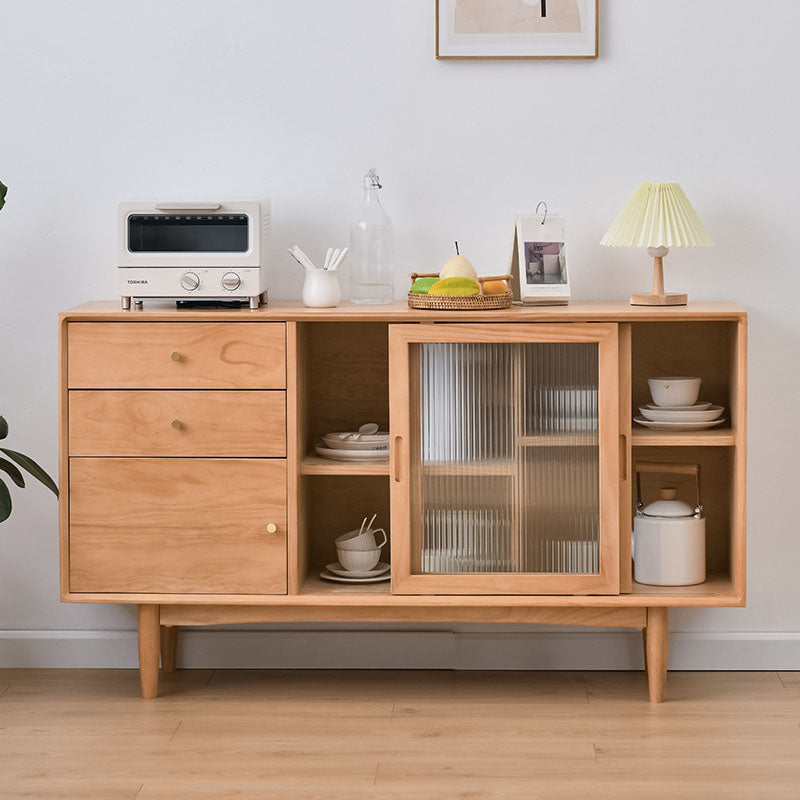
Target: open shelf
(718,586)
(716,437)
(718,590)
(315,465)
(316,586)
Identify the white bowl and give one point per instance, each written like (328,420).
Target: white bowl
(675,391)
(358,560)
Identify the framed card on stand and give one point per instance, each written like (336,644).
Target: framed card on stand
(539,260)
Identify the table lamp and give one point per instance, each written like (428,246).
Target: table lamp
(658,216)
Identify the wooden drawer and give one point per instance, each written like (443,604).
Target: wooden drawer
(178,423)
(177,355)
(177,525)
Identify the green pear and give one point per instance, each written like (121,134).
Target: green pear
(459,267)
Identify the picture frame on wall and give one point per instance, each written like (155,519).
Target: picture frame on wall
(539,260)
(516,29)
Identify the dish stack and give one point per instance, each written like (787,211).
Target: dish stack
(367,444)
(359,553)
(676,407)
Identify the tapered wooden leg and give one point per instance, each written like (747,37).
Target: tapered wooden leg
(149,650)
(657,639)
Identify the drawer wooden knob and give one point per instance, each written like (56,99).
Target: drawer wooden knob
(272,528)
(175,355)
(177,424)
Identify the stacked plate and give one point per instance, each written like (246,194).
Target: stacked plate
(355,446)
(338,574)
(697,417)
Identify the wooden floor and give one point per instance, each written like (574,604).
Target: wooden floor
(77,734)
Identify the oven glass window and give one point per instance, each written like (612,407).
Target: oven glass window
(187,233)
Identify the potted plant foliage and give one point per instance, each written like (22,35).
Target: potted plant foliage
(11,465)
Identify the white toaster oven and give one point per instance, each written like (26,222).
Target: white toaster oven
(194,251)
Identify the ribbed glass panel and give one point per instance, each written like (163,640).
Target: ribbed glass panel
(508,442)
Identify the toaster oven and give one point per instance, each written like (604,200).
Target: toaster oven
(193,251)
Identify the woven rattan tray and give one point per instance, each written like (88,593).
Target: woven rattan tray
(475,302)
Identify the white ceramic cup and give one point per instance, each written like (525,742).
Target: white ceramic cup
(674,391)
(358,560)
(361,540)
(321,289)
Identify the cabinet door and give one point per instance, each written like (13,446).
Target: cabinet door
(505,459)
(177,525)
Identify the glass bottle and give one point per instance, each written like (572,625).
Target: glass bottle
(371,249)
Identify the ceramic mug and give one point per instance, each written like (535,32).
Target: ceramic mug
(361,540)
(359,560)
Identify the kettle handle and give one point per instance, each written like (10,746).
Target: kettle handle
(692,470)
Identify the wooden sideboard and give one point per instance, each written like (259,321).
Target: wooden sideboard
(190,486)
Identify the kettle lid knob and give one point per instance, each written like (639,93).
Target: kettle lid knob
(668,493)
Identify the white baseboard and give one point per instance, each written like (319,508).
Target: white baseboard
(406,649)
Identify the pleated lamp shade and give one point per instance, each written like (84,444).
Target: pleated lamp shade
(658,215)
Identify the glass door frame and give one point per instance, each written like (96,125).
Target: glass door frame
(404,407)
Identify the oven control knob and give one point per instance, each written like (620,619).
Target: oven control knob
(231,281)
(190,281)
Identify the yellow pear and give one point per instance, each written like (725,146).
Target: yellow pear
(459,267)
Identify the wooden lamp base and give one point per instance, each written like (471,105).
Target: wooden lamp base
(658,297)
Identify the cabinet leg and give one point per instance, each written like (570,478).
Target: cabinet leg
(656,646)
(169,649)
(149,650)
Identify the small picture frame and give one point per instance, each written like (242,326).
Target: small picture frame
(539,260)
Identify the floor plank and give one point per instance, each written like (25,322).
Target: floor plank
(391,735)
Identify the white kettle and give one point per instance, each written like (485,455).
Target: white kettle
(669,536)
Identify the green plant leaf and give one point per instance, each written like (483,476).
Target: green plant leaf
(5,502)
(3,192)
(15,474)
(31,466)
(3,428)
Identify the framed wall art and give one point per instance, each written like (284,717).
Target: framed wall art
(516,28)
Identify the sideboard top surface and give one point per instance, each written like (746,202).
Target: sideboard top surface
(287,310)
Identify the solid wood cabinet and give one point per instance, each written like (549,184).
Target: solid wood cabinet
(193,488)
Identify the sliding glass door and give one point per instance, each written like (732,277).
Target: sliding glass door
(505,458)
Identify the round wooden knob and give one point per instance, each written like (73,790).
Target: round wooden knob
(668,493)
(177,424)
(175,355)
(272,528)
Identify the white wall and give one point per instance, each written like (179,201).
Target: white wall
(294,99)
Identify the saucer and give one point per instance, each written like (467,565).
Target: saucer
(662,415)
(337,569)
(329,576)
(352,455)
(678,426)
(695,407)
